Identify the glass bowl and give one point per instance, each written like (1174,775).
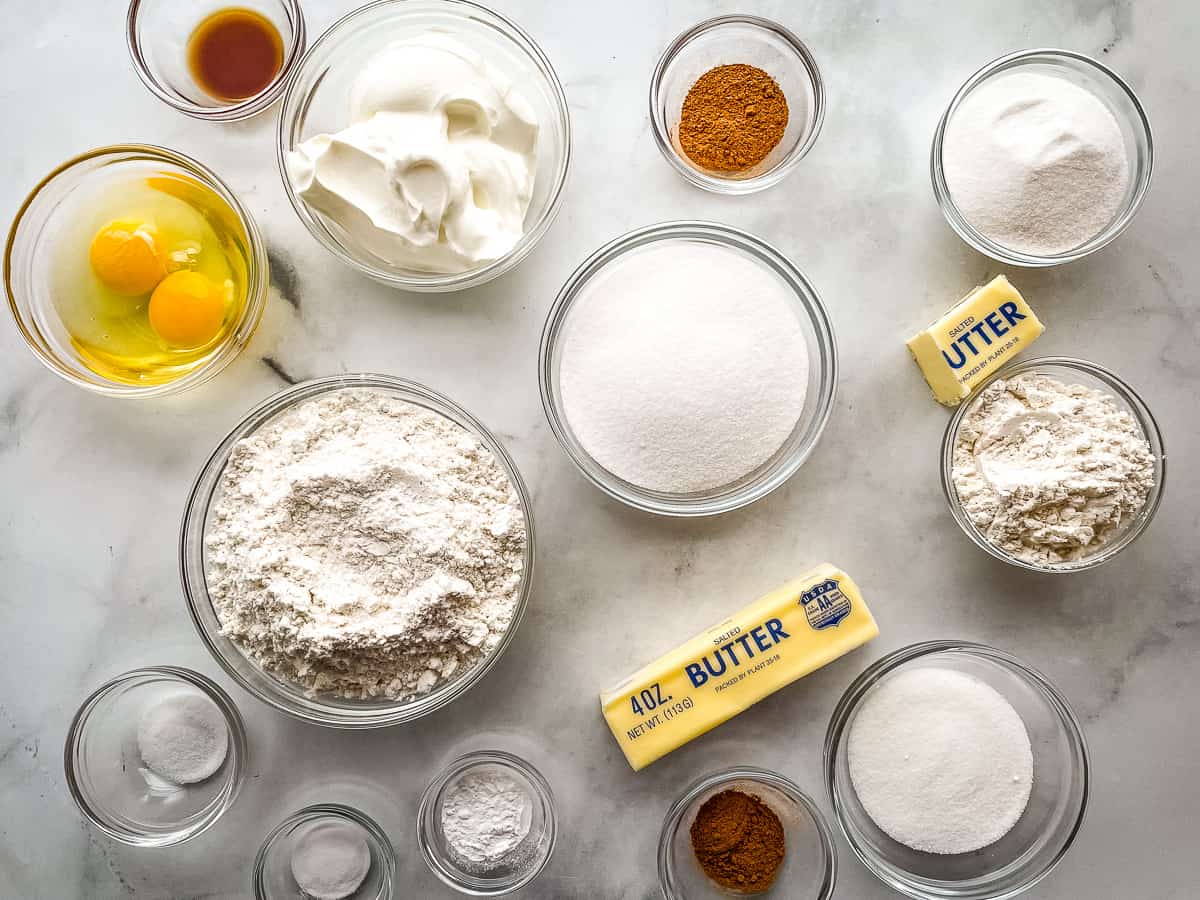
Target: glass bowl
(818,403)
(157,32)
(29,263)
(809,869)
(728,40)
(108,780)
(284,695)
(1068,371)
(1109,88)
(522,864)
(272,876)
(1052,818)
(317,100)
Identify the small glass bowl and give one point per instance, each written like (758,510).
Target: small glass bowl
(729,40)
(1110,89)
(316,102)
(109,782)
(523,863)
(1068,371)
(818,403)
(286,696)
(809,869)
(272,876)
(29,261)
(1052,818)
(157,32)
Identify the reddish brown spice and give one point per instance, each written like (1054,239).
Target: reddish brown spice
(732,117)
(235,53)
(738,841)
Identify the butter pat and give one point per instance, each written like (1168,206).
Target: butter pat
(982,332)
(794,630)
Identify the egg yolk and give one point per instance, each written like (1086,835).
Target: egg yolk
(125,255)
(187,309)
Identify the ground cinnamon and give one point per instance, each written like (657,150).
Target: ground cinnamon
(732,117)
(738,841)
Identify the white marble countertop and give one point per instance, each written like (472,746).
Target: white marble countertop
(91,490)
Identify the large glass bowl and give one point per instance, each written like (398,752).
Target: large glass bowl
(1046,829)
(284,695)
(818,403)
(1106,86)
(29,263)
(1068,371)
(317,100)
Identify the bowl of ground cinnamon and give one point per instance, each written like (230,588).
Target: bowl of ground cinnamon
(745,832)
(735,103)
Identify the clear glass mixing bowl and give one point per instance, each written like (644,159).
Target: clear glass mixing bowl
(277,692)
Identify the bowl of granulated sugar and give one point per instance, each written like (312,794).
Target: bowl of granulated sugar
(688,368)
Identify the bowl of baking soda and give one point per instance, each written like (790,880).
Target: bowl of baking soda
(1042,157)
(486,825)
(956,770)
(688,368)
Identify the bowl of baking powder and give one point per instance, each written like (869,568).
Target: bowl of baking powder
(357,552)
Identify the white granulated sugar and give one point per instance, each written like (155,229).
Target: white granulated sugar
(330,860)
(1050,472)
(684,366)
(940,761)
(1035,162)
(485,816)
(365,547)
(182,737)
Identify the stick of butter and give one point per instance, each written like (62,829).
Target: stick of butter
(982,332)
(794,630)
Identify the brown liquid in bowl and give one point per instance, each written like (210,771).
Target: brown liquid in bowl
(235,53)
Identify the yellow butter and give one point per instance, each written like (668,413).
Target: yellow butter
(981,333)
(790,632)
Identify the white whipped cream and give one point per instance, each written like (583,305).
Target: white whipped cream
(436,171)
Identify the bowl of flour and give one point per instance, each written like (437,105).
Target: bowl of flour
(1053,465)
(357,552)
(688,368)
(1042,157)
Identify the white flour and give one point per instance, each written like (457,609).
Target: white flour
(1035,162)
(1049,472)
(365,547)
(940,761)
(684,367)
(485,816)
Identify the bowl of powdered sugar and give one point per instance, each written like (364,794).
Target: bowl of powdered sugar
(1042,157)
(1053,465)
(357,552)
(956,770)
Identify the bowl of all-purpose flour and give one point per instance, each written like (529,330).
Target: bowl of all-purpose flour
(688,368)
(1053,465)
(1042,157)
(358,551)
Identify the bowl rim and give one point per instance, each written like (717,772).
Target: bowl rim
(257,276)
(804,295)
(195,516)
(233,110)
(339,810)
(781,170)
(1141,414)
(843,715)
(433,791)
(417,281)
(675,813)
(977,239)
(237,754)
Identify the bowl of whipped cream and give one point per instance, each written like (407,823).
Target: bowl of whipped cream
(425,143)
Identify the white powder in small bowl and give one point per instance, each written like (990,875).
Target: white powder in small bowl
(331,860)
(684,366)
(183,738)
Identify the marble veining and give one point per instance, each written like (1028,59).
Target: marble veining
(92,490)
